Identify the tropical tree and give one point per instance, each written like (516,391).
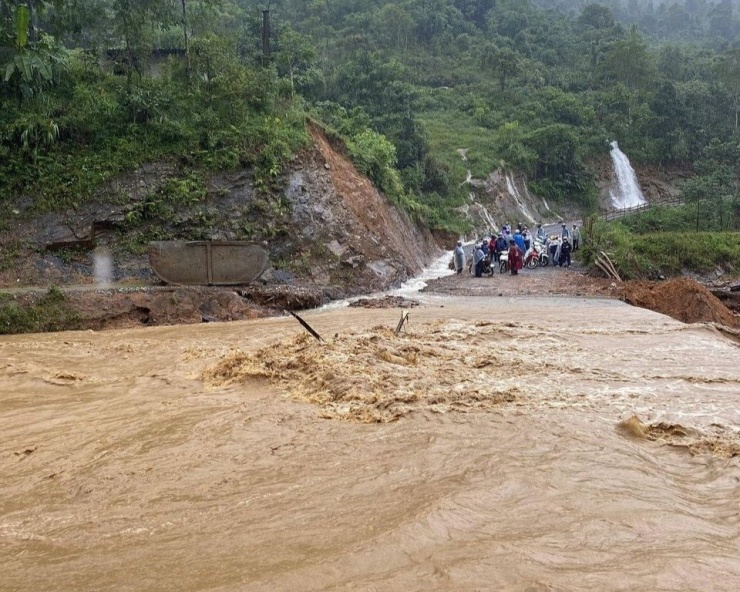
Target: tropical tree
(729,74)
(503,63)
(30,61)
(295,54)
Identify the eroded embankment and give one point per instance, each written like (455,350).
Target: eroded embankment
(681,298)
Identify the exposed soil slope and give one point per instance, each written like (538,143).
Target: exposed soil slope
(680,298)
(328,226)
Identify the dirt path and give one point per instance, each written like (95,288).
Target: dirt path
(543,281)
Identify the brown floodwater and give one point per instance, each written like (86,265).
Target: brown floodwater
(242,456)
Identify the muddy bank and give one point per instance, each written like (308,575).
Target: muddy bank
(87,307)
(681,298)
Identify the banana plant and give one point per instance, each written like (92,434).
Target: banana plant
(29,67)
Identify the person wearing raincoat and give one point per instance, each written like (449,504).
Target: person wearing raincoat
(516,258)
(459,257)
(478,258)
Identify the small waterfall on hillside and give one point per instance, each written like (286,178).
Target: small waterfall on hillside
(102,267)
(491,226)
(627,193)
(514,192)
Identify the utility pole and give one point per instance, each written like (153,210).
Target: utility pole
(266,35)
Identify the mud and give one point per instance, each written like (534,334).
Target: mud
(377,376)
(385,302)
(122,470)
(681,298)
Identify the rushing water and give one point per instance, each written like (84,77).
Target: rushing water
(102,267)
(627,192)
(514,192)
(123,470)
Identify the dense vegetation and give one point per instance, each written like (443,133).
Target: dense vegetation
(47,313)
(663,243)
(539,87)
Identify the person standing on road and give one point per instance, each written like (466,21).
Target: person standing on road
(564,232)
(459,257)
(565,249)
(541,234)
(516,258)
(519,240)
(478,258)
(554,246)
(576,236)
(501,246)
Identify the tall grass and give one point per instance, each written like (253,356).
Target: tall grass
(651,254)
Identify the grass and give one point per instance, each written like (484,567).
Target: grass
(681,219)
(451,130)
(651,254)
(49,313)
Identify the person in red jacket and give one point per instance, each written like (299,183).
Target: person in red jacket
(516,258)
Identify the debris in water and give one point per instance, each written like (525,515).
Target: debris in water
(385,302)
(376,376)
(722,443)
(305,325)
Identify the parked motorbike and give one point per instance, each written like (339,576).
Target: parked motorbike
(531,258)
(544,256)
(503,265)
(487,267)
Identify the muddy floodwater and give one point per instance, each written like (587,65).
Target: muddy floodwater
(490,446)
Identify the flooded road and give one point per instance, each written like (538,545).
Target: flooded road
(135,460)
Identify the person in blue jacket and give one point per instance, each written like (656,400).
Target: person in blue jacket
(519,240)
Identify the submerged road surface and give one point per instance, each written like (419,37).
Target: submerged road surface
(122,469)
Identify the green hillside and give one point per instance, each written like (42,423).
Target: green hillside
(90,88)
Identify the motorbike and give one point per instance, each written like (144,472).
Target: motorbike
(531,258)
(503,265)
(487,266)
(544,256)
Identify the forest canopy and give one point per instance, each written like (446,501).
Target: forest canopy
(92,87)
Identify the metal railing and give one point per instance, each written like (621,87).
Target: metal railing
(614,214)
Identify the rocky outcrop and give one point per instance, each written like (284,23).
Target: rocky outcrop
(504,198)
(657,185)
(329,227)
(360,236)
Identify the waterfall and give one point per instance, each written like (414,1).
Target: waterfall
(627,193)
(514,192)
(102,267)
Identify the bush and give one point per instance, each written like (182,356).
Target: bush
(50,313)
(648,255)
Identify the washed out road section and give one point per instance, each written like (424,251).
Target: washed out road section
(123,470)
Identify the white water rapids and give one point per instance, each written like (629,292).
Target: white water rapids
(627,193)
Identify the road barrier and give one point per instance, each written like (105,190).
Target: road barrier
(614,214)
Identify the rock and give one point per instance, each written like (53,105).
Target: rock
(382,269)
(327,166)
(354,262)
(335,248)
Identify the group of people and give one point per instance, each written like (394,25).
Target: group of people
(560,246)
(517,244)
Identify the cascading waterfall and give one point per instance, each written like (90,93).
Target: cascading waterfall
(627,193)
(514,192)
